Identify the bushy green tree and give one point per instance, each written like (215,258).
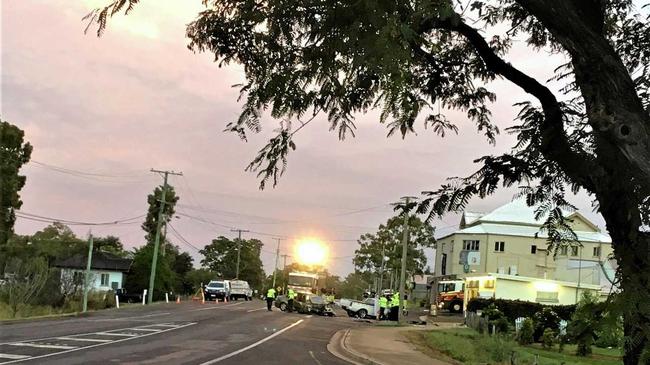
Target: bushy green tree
(220,256)
(111,244)
(137,278)
(14,153)
(27,279)
(417,60)
(526,332)
(585,322)
(388,241)
(548,338)
(196,277)
(546,318)
(155,201)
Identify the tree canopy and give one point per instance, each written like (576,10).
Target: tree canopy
(14,153)
(418,59)
(155,201)
(220,256)
(387,242)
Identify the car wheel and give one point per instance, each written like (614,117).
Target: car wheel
(362,313)
(283,307)
(456,307)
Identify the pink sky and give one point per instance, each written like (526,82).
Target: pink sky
(137,98)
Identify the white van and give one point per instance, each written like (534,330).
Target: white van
(217,289)
(240,289)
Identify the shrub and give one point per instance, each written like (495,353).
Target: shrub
(525,335)
(546,318)
(586,321)
(496,319)
(611,334)
(513,309)
(548,338)
(562,339)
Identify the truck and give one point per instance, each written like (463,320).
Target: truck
(305,285)
(451,295)
(240,289)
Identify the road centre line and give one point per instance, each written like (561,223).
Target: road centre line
(227,356)
(216,306)
(97,345)
(43,346)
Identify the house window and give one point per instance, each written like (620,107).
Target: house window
(499,246)
(564,250)
(115,285)
(574,251)
(489,284)
(470,245)
(104,279)
(547,297)
(597,251)
(533,249)
(443,264)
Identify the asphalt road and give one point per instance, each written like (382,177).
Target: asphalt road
(187,333)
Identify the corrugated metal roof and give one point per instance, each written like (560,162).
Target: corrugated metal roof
(528,231)
(517,211)
(100,261)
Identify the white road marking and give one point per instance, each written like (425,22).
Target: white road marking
(143,329)
(255,310)
(115,334)
(163,325)
(227,356)
(13,357)
(314,357)
(82,339)
(96,345)
(216,307)
(44,346)
(129,318)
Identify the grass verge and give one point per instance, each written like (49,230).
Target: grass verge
(466,346)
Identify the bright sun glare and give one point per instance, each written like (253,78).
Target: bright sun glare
(311,252)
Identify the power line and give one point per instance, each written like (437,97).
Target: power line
(181,238)
(40,218)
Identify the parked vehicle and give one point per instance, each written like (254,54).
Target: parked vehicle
(240,289)
(368,308)
(217,290)
(125,297)
(451,294)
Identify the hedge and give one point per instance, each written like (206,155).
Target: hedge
(514,309)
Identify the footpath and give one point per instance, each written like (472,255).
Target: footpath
(382,345)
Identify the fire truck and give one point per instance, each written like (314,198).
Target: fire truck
(450,295)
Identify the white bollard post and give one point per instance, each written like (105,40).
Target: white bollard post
(117,301)
(144,296)
(166,298)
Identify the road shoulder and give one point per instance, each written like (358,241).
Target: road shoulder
(383,345)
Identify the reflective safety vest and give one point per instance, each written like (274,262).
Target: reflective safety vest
(394,302)
(270,293)
(383,302)
(291,294)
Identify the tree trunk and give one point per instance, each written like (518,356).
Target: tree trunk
(632,252)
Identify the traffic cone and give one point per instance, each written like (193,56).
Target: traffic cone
(178,299)
(225,299)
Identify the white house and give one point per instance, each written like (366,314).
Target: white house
(106,270)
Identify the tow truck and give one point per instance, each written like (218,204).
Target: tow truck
(450,295)
(305,285)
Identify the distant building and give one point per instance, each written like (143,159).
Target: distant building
(509,241)
(106,270)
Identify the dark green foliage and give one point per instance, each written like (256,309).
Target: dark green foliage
(29,277)
(388,239)
(155,200)
(110,244)
(195,278)
(513,309)
(525,335)
(548,338)
(220,256)
(545,319)
(14,153)
(138,277)
(496,319)
(585,322)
